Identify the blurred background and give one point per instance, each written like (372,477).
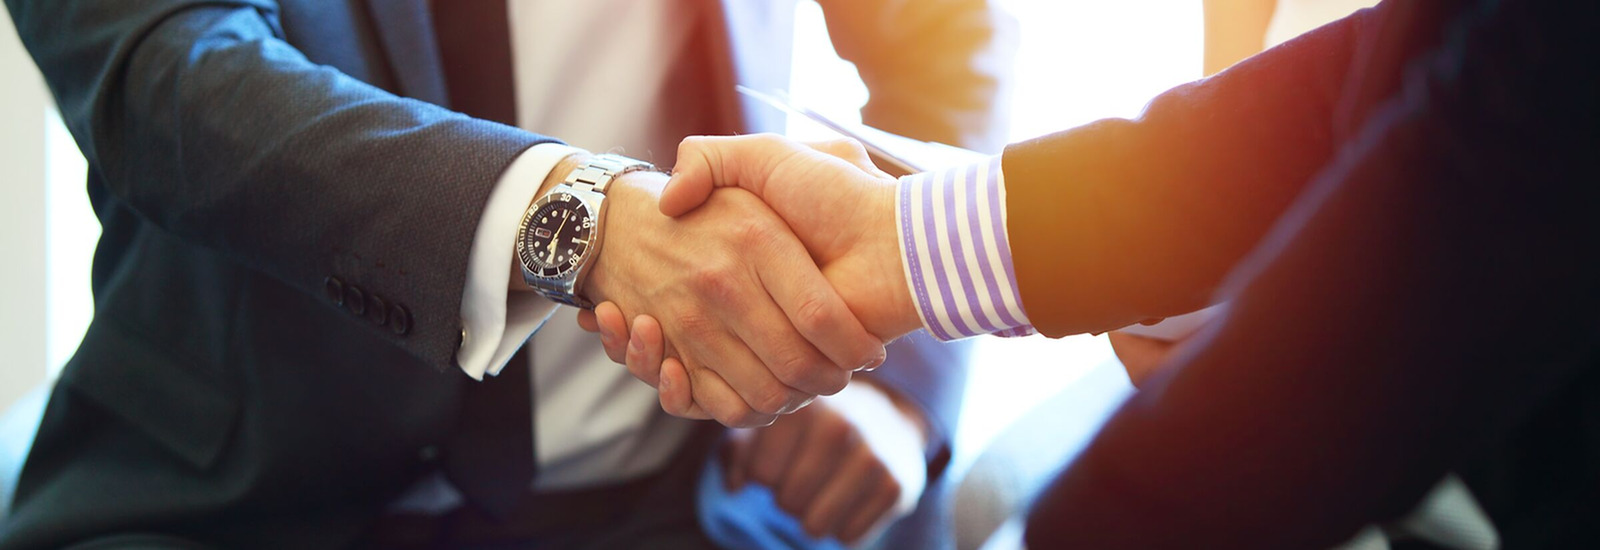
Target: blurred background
(1080,60)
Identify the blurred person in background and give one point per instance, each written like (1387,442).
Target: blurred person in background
(309,209)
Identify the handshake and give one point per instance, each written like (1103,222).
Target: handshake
(780,278)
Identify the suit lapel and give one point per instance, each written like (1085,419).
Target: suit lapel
(405,29)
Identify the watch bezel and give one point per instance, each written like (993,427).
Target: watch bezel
(533,268)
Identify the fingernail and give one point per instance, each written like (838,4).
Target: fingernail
(635,343)
(606,337)
(666,382)
(876,362)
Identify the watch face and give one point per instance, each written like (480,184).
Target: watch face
(558,235)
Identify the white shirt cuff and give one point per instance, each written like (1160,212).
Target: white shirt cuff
(496,321)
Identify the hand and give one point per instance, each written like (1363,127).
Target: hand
(834,199)
(758,328)
(841,466)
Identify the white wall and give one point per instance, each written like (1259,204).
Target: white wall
(23,106)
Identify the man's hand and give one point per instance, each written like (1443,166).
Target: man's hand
(838,204)
(842,466)
(758,328)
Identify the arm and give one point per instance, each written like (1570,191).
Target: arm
(1432,290)
(935,68)
(200,116)
(1120,221)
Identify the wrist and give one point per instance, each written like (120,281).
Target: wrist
(631,203)
(898,316)
(557,174)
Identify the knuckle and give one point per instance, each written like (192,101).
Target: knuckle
(754,231)
(795,367)
(813,316)
(695,324)
(767,138)
(844,146)
(714,282)
(771,399)
(748,418)
(833,380)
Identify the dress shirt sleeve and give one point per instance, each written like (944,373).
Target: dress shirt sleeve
(496,321)
(957,253)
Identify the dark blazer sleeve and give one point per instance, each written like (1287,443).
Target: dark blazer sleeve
(936,69)
(1121,221)
(1433,287)
(201,117)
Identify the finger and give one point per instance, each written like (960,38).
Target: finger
(613,327)
(676,393)
(719,401)
(840,494)
(814,309)
(775,447)
(645,350)
(708,162)
(869,511)
(820,454)
(787,356)
(851,151)
(587,322)
(720,341)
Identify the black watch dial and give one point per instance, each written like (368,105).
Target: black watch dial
(558,235)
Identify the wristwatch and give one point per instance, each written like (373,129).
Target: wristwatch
(559,237)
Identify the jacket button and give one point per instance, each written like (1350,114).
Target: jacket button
(354,300)
(333,288)
(379,309)
(428,454)
(399,319)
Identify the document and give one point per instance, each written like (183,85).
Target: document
(896,154)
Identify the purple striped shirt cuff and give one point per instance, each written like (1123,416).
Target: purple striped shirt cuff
(956,252)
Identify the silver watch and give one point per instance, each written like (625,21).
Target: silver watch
(560,234)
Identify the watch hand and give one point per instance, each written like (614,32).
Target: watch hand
(552,247)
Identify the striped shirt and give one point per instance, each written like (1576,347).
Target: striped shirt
(957,254)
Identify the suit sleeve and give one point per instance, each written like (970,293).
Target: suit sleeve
(1432,289)
(1122,221)
(935,69)
(202,118)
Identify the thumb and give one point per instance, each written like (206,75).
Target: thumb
(708,162)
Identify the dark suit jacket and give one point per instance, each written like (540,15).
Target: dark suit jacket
(1425,300)
(286,214)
